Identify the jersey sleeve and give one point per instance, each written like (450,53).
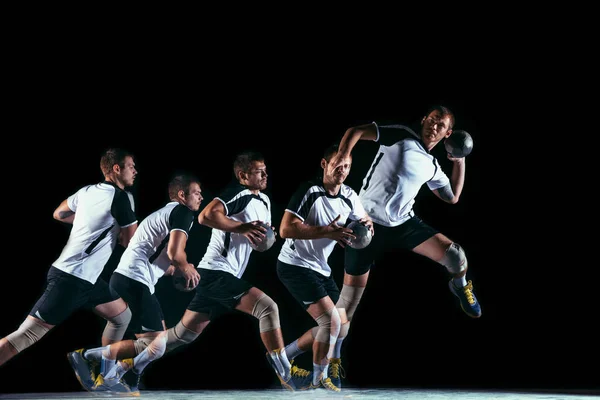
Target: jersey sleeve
(267,200)
(299,204)
(439,180)
(122,211)
(388,135)
(232,204)
(73,201)
(181,219)
(131,200)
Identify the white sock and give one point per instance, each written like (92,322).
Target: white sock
(337,349)
(94,354)
(292,350)
(106,363)
(319,372)
(117,370)
(460,282)
(142,360)
(281,362)
(155,350)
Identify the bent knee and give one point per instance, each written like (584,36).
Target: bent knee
(29,332)
(117,325)
(329,326)
(454,259)
(267,312)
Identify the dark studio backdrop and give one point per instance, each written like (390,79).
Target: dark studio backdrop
(408,330)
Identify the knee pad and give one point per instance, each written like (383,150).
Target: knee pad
(155,350)
(158,346)
(140,344)
(267,312)
(178,336)
(28,333)
(344,330)
(117,325)
(454,259)
(314,331)
(349,299)
(329,326)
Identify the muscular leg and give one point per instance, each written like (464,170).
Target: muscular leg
(352,291)
(186,331)
(328,320)
(270,330)
(448,253)
(436,248)
(358,283)
(29,332)
(118,315)
(255,302)
(129,348)
(152,351)
(350,296)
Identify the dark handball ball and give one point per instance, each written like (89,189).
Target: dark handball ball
(459,144)
(180,284)
(362,233)
(268,241)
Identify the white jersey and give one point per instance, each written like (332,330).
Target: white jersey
(402,165)
(145,259)
(314,206)
(101,211)
(228,251)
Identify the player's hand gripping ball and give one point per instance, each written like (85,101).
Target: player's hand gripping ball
(267,241)
(180,283)
(362,233)
(459,144)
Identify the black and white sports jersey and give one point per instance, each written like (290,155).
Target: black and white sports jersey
(314,206)
(227,251)
(402,165)
(101,210)
(145,259)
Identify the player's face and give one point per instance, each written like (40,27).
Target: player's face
(194,197)
(257,176)
(128,173)
(435,127)
(337,175)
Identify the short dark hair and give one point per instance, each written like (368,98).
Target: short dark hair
(445,111)
(243,161)
(113,156)
(181,182)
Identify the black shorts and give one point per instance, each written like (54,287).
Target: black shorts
(307,286)
(65,293)
(218,293)
(147,315)
(406,236)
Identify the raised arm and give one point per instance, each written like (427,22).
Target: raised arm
(352,136)
(451,192)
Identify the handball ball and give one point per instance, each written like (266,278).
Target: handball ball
(362,233)
(459,144)
(180,283)
(267,242)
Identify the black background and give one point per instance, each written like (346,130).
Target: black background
(536,329)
